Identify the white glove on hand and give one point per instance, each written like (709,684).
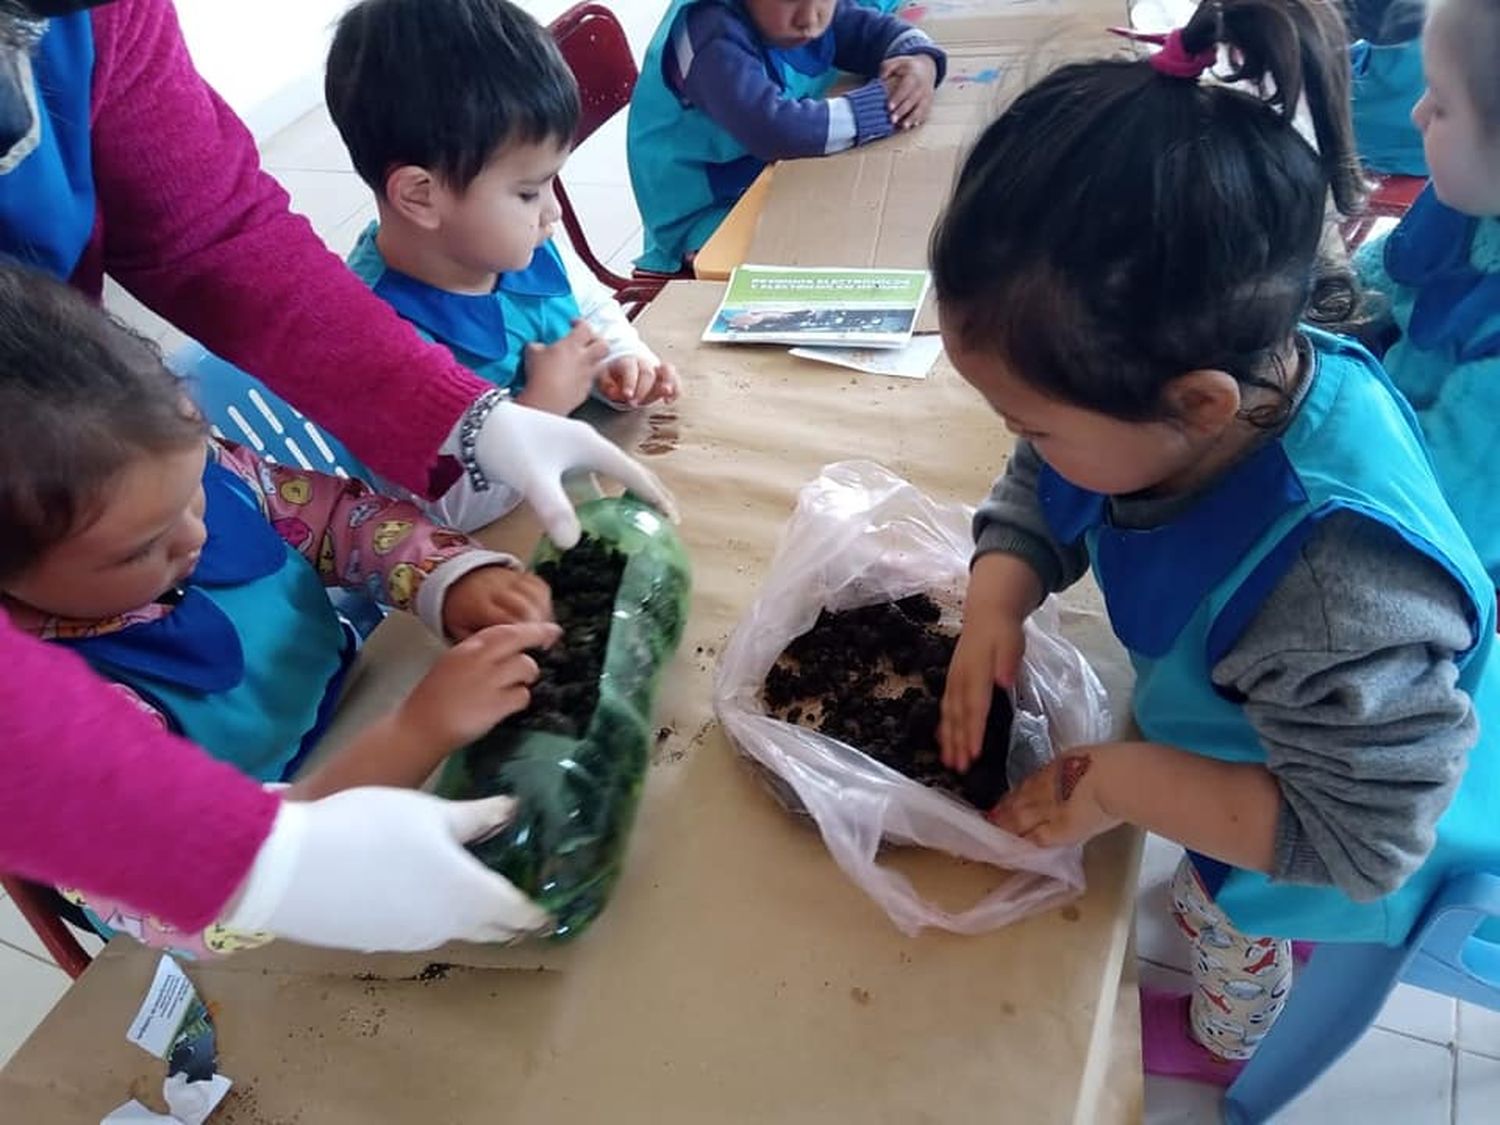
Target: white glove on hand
(378,869)
(530,450)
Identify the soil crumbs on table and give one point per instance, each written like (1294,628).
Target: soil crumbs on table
(873,678)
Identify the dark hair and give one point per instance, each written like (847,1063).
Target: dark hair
(444,85)
(81,397)
(1117,228)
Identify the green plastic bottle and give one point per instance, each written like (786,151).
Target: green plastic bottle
(577,796)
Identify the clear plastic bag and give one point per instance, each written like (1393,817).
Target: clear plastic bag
(861,534)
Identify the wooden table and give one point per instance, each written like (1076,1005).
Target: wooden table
(737,977)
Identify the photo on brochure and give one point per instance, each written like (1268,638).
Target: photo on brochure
(866,308)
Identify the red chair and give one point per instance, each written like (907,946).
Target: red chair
(594,46)
(42,908)
(1391,199)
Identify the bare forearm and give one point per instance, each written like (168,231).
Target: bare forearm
(1226,810)
(389,752)
(1003,584)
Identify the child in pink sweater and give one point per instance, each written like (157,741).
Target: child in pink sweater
(191,573)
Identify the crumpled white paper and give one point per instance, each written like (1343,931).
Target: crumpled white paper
(189,1103)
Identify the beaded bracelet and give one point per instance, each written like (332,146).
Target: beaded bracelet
(468,435)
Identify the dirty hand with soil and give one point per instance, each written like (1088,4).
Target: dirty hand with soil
(477,683)
(1222,809)
(494,595)
(1003,592)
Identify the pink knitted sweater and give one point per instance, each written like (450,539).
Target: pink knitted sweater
(92,794)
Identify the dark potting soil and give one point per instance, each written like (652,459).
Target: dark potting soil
(584,582)
(873,678)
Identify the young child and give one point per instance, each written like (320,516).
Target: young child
(728,86)
(192,574)
(1386,61)
(1121,273)
(459,114)
(1440,269)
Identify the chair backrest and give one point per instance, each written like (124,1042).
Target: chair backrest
(243,409)
(594,46)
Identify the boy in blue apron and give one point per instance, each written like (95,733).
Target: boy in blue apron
(729,86)
(459,114)
(1121,273)
(1440,270)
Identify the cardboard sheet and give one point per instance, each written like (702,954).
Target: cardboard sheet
(737,977)
(962,26)
(876,205)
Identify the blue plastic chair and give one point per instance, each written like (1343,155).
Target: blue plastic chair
(243,409)
(1338,994)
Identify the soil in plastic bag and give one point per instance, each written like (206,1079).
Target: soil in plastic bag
(873,678)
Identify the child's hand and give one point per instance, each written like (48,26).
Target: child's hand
(988,655)
(560,376)
(910,81)
(494,595)
(474,685)
(1003,590)
(633,380)
(1059,804)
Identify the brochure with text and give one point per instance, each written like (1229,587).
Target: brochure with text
(866,308)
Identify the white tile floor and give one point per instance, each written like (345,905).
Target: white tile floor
(1428,1061)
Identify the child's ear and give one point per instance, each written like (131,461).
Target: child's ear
(412,193)
(1203,401)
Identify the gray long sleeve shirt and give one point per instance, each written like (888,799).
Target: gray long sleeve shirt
(1347,674)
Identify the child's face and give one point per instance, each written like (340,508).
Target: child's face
(496,224)
(1091,450)
(790,23)
(1463,156)
(145,540)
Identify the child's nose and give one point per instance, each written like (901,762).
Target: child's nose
(190,537)
(1420,112)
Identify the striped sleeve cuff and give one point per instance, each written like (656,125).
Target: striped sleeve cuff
(872,117)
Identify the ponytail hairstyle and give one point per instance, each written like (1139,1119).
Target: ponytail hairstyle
(1124,222)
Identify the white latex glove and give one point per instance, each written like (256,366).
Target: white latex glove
(382,869)
(530,450)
